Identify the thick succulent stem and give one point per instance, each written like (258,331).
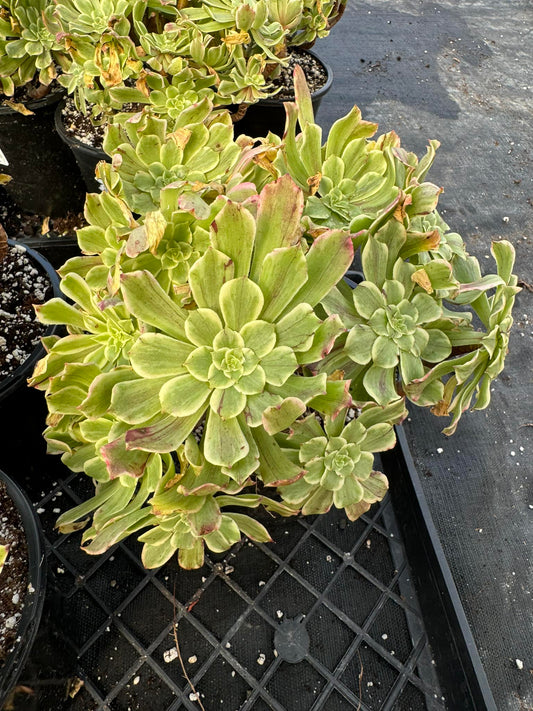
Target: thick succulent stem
(338,14)
(38,92)
(3,244)
(240,113)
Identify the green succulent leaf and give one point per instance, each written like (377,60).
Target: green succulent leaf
(149,303)
(225,443)
(241,301)
(281,416)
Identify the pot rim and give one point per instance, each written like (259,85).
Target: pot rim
(12,381)
(72,141)
(33,601)
(318,94)
(35,104)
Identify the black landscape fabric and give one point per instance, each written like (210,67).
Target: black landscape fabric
(461,73)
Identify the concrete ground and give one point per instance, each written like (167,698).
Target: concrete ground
(461,73)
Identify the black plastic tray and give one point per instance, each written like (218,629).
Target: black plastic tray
(461,672)
(385,625)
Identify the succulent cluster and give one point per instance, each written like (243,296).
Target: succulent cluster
(217,360)
(28,44)
(120,55)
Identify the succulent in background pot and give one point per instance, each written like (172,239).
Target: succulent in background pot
(273,38)
(38,170)
(22,581)
(29,47)
(268,115)
(168,56)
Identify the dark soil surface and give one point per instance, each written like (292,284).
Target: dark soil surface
(80,127)
(19,224)
(314,71)
(14,575)
(21,286)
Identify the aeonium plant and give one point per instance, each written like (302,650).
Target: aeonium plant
(215,381)
(351,179)
(217,358)
(29,48)
(169,55)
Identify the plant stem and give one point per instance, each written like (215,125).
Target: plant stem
(3,244)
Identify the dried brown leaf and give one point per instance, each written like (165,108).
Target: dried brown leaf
(20,108)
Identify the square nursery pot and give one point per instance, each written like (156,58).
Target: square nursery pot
(45,179)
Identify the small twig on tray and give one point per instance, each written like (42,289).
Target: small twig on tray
(360,682)
(180,658)
(525,285)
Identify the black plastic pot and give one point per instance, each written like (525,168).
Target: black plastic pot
(17,378)
(86,156)
(45,177)
(269,114)
(33,602)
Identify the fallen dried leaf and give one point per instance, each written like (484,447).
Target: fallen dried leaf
(73,686)
(20,108)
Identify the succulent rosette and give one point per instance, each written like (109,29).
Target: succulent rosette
(432,228)
(352,179)
(163,41)
(179,507)
(28,45)
(339,459)
(101,331)
(396,323)
(238,22)
(77,374)
(190,510)
(306,20)
(466,378)
(146,157)
(214,347)
(94,17)
(166,242)
(103,55)
(236,358)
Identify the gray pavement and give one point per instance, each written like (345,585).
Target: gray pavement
(462,73)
